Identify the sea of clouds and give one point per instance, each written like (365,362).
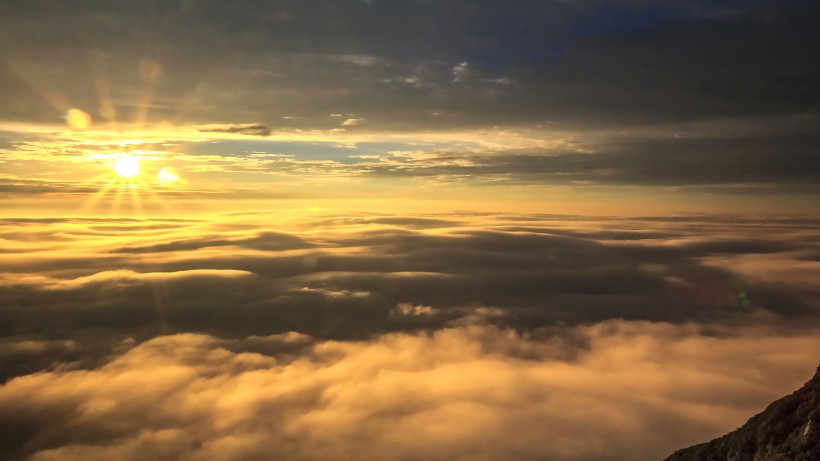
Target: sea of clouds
(338,336)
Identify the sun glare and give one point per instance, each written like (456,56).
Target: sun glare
(167,174)
(127,167)
(134,177)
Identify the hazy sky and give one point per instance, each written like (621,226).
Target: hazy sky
(558,230)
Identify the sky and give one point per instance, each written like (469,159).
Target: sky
(565,230)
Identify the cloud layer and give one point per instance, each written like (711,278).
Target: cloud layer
(466,336)
(343,277)
(411,65)
(613,390)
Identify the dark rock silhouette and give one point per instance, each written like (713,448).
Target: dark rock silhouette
(787,430)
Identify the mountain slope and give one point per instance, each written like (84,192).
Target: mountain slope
(787,430)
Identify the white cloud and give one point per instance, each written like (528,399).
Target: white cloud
(352,121)
(460,71)
(357,59)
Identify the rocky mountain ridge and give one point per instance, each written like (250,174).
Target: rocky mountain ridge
(787,430)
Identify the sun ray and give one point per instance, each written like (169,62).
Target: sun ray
(95,198)
(135,197)
(133,176)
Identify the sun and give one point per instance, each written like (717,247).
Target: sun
(127,167)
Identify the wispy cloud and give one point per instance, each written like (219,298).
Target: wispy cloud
(250,129)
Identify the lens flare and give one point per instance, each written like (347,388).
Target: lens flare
(78,119)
